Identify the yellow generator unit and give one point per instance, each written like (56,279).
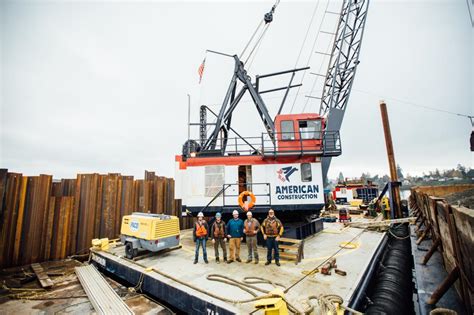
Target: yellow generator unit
(149,231)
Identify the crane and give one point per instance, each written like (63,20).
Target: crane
(286,167)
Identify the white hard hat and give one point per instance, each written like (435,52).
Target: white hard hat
(235,212)
(200,214)
(249,213)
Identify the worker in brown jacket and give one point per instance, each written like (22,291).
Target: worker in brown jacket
(218,234)
(272,230)
(251,227)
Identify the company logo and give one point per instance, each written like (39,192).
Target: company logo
(134,225)
(284,173)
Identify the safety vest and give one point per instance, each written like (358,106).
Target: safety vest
(201,230)
(250,229)
(219,230)
(272,227)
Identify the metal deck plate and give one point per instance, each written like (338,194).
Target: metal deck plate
(179,264)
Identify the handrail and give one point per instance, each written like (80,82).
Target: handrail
(324,143)
(251,189)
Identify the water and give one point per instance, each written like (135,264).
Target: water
(405,193)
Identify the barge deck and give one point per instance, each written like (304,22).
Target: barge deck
(173,278)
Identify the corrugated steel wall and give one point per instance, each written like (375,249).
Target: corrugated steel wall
(42,219)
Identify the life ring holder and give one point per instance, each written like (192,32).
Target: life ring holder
(251,204)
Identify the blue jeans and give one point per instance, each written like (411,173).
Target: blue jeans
(200,242)
(272,244)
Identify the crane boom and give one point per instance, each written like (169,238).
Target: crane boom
(342,66)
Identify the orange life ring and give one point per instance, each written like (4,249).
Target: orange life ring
(242,204)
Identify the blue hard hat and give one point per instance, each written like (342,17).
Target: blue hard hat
(218,215)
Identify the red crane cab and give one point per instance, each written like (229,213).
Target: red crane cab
(299,132)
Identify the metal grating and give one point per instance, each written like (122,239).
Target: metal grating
(101,295)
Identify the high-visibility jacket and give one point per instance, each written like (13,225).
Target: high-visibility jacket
(200,229)
(218,229)
(272,227)
(251,227)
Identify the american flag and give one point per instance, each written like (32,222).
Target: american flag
(201,69)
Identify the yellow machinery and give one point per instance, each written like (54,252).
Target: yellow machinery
(153,232)
(274,305)
(356,202)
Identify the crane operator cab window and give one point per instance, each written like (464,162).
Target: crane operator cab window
(310,129)
(287,130)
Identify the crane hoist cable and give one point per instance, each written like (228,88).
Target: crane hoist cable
(265,23)
(310,55)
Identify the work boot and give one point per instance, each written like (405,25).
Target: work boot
(268,263)
(256,261)
(277,263)
(238,259)
(248,261)
(230,261)
(217,260)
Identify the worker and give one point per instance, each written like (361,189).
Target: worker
(218,234)
(272,229)
(235,229)
(200,237)
(251,227)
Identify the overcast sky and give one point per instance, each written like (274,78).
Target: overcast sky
(89,86)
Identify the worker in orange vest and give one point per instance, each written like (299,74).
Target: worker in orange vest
(272,230)
(218,234)
(200,237)
(251,227)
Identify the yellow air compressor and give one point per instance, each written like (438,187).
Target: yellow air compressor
(149,231)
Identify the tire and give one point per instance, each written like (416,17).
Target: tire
(130,252)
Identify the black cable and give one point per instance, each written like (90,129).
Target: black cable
(414,104)
(310,56)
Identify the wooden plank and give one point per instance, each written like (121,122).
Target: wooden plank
(290,240)
(42,276)
(290,256)
(288,247)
